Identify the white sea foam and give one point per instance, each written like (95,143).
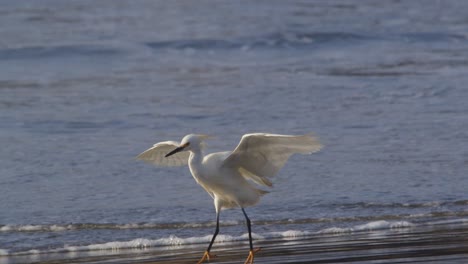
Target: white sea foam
(335,230)
(382,224)
(375,225)
(142,243)
(35,228)
(290,234)
(4,252)
(80,226)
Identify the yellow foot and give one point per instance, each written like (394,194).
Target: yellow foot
(250,258)
(206,256)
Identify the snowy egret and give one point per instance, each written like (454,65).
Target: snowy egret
(232,178)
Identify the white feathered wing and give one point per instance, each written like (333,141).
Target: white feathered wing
(260,156)
(156,155)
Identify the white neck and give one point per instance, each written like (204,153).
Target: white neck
(195,163)
(195,156)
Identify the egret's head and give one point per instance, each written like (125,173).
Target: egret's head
(190,142)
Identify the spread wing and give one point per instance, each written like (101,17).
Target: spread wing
(155,155)
(260,156)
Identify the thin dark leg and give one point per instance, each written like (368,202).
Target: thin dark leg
(215,233)
(248,227)
(207,255)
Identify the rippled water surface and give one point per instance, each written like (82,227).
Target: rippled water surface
(85,86)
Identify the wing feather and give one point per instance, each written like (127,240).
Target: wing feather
(155,155)
(259,156)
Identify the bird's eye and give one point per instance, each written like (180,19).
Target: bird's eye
(186,144)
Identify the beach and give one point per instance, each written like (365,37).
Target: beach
(86,86)
(444,242)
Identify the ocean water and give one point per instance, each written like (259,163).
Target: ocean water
(85,86)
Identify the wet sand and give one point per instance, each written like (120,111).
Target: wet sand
(444,243)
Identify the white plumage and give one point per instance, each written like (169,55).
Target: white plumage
(233,178)
(155,155)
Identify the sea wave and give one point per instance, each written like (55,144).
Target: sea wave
(144,243)
(35,52)
(376,225)
(211,224)
(276,40)
(175,241)
(428,204)
(95,226)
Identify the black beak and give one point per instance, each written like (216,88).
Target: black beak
(175,151)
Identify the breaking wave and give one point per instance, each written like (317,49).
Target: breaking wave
(211,224)
(175,241)
(143,243)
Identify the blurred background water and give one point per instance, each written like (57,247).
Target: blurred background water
(85,86)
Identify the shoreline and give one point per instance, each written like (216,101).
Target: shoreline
(447,243)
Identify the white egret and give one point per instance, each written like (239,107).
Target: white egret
(232,178)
